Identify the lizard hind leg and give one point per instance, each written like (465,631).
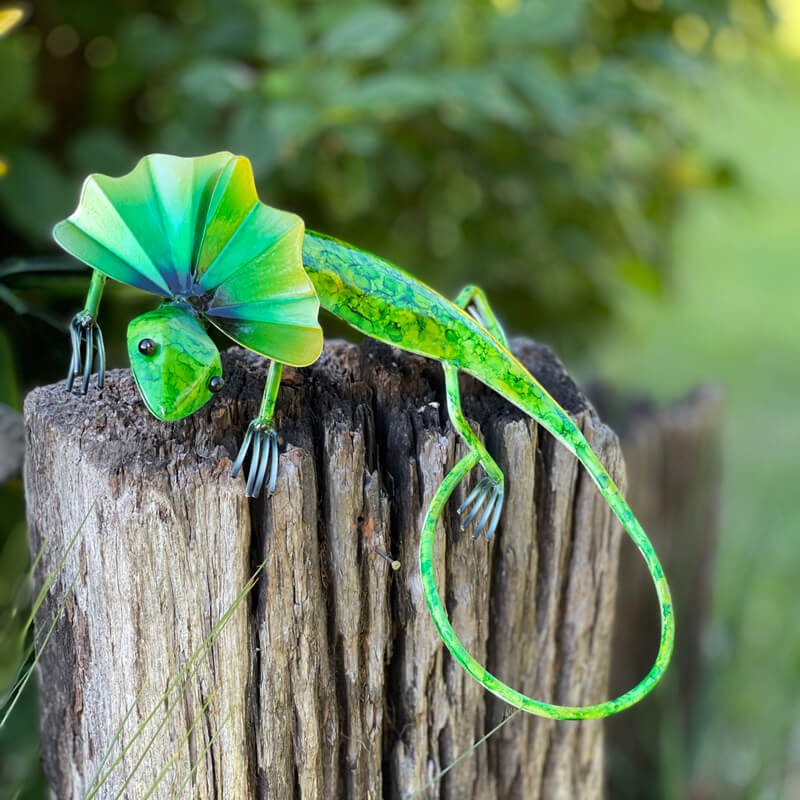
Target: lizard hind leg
(473,299)
(487,496)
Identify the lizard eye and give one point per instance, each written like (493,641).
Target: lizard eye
(215,384)
(147,347)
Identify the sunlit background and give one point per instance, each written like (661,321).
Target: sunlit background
(621,176)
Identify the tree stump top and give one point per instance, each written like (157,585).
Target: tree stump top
(115,428)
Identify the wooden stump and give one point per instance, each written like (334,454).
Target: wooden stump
(329,679)
(673,456)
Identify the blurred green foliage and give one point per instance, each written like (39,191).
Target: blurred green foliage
(513,144)
(517,144)
(732,319)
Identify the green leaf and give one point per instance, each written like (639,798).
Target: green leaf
(616,87)
(387,95)
(271,132)
(148,42)
(484,93)
(234,32)
(641,274)
(19,82)
(34,195)
(365,33)
(16,304)
(548,90)
(538,22)
(282,35)
(101,150)
(248,133)
(9,384)
(27,266)
(216,82)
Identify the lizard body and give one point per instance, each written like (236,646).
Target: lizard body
(219,255)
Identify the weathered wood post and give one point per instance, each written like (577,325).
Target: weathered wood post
(329,679)
(674,462)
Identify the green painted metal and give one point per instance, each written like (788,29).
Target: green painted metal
(96,287)
(85,332)
(194,232)
(174,380)
(494,684)
(267,410)
(263,437)
(475,296)
(384,302)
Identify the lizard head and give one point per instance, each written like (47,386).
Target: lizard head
(176,366)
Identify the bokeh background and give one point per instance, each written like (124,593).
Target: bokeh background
(621,176)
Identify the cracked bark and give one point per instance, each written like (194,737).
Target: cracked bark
(330,679)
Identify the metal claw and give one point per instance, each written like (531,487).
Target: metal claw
(237,465)
(87,369)
(101,358)
(75,361)
(485,490)
(263,456)
(273,475)
(495,517)
(472,513)
(478,505)
(250,490)
(486,514)
(82,330)
(263,462)
(473,494)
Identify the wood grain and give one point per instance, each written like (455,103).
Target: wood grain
(330,679)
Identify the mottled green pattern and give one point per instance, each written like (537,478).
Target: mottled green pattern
(495,685)
(387,304)
(173,381)
(194,230)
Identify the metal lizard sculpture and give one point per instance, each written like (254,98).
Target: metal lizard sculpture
(194,231)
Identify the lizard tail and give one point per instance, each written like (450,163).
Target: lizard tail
(524,391)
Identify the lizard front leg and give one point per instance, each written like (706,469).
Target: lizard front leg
(263,438)
(489,488)
(84,328)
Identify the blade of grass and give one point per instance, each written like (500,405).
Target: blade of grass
(117,734)
(177,749)
(153,738)
(467,752)
(191,667)
(205,750)
(52,576)
(27,676)
(23,674)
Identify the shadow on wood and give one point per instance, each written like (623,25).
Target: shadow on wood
(329,680)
